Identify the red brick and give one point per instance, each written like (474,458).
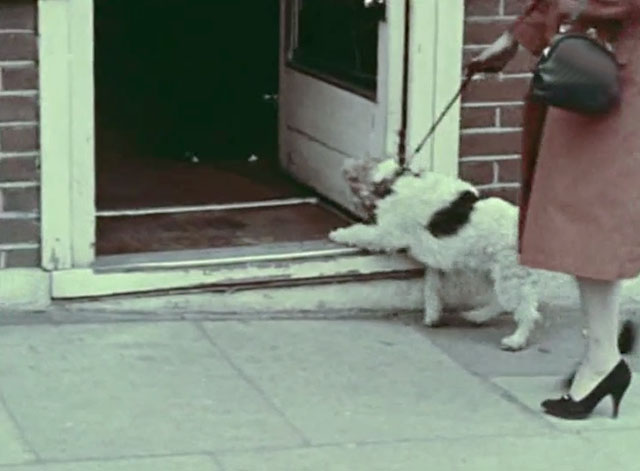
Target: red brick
(493,89)
(490,144)
(22,258)
(484,32)
(514,7)
(18,231)
(477,173)
(481,7)
(18,46)
(18,14)
(19,139)
(21,199)
(478,117)
(507,193)
(20,78)
(511,116)
(18,108)
(509,171)
(18,169)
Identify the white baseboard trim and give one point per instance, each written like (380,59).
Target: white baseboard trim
(24,288)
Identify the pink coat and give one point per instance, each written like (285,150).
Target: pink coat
(580,201)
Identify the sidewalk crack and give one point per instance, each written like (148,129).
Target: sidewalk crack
(252,383)
(26,443)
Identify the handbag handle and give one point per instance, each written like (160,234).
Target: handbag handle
(579,10)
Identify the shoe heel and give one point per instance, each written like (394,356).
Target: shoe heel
(616,398)
(616,406)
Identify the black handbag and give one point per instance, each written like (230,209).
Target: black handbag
(577,73)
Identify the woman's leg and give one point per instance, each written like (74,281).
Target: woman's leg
(601,305)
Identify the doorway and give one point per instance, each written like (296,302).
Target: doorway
(322,123)
(186,100)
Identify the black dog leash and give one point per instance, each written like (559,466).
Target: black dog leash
(432,129)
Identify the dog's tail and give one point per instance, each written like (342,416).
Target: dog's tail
(627,339)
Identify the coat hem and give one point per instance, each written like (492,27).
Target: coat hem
(576,271)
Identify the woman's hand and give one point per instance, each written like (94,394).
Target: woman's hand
(495,57)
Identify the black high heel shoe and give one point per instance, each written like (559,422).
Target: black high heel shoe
(615,384)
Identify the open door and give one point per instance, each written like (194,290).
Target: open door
(341,88)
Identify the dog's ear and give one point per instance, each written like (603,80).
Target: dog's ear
(448,221)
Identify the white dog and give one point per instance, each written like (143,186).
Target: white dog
(468,244)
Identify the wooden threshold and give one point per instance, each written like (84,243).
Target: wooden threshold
(182,259)
(207,207)
(164,272)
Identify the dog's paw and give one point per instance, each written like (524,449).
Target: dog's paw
(513,343)
(479,316)
(432,322)
(341,236)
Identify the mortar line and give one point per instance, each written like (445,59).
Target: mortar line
(251,382)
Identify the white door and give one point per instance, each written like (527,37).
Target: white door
(341,87)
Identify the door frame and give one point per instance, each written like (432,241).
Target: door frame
(428,93)
(67,133)
(67,130)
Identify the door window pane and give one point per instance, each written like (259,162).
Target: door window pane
(336,40)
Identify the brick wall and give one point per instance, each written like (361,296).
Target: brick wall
(19,176)
(492,106)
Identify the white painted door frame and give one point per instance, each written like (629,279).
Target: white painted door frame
(67,135)
(436,33)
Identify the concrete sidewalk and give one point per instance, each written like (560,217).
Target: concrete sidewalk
(300,395)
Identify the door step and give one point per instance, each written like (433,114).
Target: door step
(219,257)
(356,297)
(226,270)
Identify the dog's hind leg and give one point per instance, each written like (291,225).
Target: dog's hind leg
(432,302)
(516,290)
(485,313)
(526,316)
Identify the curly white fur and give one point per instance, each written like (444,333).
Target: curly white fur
(480,258)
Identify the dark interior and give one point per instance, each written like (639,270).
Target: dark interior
(184,98)
(189,76)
